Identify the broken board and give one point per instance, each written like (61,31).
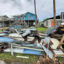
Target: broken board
(55,43)
(48,52)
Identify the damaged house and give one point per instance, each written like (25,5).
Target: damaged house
(5,21)
(49,22)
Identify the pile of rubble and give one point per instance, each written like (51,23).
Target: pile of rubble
(58,33)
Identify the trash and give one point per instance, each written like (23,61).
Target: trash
(26,57)
(2,62)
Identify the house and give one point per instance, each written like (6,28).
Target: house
(5,21)
(26,19)
(49,22)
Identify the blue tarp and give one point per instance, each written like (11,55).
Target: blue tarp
(6,40)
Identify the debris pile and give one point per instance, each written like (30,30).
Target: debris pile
(58,33)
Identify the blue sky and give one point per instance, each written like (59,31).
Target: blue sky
(44,7)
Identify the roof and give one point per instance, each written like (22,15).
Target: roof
(4,18)
(23,14)
(29,13)
(57,17)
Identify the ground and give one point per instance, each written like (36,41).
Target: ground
(31,60)
(8,58)
(61,59)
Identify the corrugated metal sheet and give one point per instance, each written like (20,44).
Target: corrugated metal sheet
(6,40)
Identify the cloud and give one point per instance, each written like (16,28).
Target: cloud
(44,7)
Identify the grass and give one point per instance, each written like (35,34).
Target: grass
(61,59)
(31,60)
(8,58)
(41,29)
(0,30)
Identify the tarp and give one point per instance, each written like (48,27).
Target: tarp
(6,40)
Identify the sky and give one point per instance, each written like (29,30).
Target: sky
(44,7)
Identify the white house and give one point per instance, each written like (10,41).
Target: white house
(50,21)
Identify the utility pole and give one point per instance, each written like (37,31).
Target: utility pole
(54,12)
(23,22)
(35,13)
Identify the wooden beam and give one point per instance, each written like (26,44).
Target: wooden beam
(12,49)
